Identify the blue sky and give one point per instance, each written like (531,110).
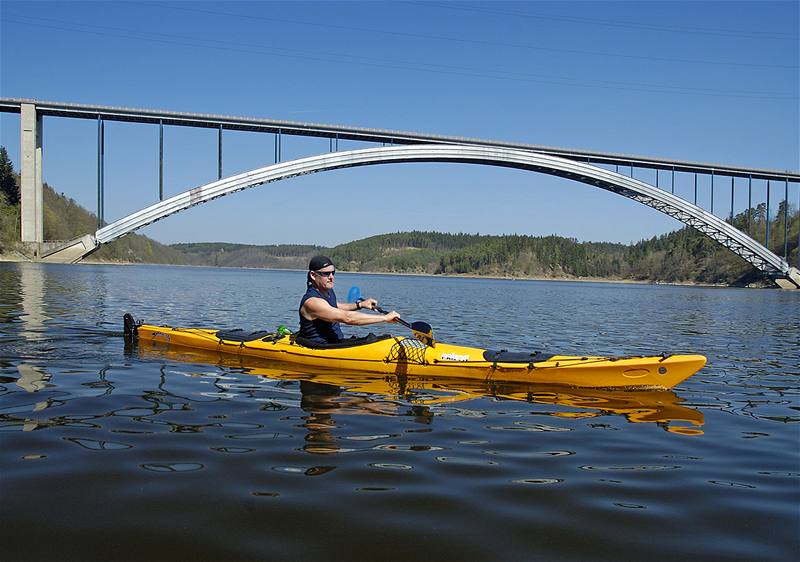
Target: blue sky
(702,81)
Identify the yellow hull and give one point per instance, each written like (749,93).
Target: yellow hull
(409,357)
(663,407)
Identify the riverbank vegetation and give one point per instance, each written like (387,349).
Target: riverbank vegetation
(9,204)
(683,256)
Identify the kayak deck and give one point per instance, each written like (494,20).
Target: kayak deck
(408,356)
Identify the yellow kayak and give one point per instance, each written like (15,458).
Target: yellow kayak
(398,355)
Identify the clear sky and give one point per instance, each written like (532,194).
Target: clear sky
(702,81)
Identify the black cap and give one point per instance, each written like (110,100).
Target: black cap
(318,262)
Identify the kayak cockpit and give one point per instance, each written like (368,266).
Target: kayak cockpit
(344,344)
(243,335)
(504,356)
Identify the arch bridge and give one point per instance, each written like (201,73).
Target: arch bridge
(582,166)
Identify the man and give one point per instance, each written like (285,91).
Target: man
(320,314)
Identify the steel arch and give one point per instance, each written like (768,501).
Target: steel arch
(707,223)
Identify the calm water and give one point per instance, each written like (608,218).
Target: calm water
(115,454)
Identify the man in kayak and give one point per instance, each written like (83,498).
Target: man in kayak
(320,314)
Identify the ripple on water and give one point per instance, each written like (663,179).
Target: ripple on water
(260,436)
(98,444)
(304,470)
(417,448)
(465,461)
(640,468)
(528,426)
(538,481)
(234,450)
(530,454)
(173,467)
(391,466)
(732,484)
(370,437)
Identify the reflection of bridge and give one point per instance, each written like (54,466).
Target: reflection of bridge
(583,166)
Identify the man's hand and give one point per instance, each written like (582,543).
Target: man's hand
(369,304)
(392,316)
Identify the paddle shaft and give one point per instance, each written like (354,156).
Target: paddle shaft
(422,330)
(403,322)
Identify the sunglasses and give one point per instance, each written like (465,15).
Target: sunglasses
(326,273)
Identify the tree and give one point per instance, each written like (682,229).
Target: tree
(8,180)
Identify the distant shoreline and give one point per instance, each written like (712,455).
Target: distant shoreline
(20,258)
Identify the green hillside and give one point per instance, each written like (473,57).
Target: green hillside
(221,254)
(683,256)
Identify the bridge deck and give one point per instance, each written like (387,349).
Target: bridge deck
(83,111)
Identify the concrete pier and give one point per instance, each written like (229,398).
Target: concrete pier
(31,192)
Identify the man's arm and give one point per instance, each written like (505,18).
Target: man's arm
(317,308)
(363,304)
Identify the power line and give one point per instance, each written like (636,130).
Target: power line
(344,58)
(474,41)
(781,36)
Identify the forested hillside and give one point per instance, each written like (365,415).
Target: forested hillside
(682,256)
(286,256)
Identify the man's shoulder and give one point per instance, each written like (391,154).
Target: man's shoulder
(309,296)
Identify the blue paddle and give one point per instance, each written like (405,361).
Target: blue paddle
(421,330)
(354,294)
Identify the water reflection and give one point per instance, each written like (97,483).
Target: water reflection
(32,281)
(32,378)
(325,393)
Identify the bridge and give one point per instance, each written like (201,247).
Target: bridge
(588,167)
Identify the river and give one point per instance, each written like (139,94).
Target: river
(108,453)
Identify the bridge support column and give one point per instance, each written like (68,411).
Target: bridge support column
(31,196)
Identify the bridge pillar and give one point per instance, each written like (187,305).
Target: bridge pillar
(31,196)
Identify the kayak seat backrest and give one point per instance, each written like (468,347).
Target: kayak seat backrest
(241,335)
(504,356)
(349,342)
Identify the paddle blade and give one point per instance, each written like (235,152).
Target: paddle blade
(423,332)
(353,294)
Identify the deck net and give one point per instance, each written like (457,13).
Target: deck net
(407,350)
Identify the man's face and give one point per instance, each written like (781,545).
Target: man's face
(324,277)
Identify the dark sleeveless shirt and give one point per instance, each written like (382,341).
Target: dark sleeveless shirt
(319,330)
